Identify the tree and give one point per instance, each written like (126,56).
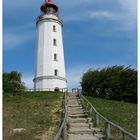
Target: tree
(116,82)
(12,82)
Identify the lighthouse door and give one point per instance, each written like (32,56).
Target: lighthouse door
(57,89)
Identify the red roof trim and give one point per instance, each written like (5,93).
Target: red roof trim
(49,1)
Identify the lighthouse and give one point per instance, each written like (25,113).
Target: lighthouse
(50,66)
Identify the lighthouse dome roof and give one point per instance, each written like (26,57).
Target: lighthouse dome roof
(49,3)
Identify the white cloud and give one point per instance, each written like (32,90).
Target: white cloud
(73,18)
(73,4)
(78,10)
(75,74)
(73,77)
(129,14)
(103,14)
(125,15)
(100,14)
(28,80)
(130,5)
(89,15)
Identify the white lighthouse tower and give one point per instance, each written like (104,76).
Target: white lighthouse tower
(50,66)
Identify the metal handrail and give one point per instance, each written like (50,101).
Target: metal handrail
(62,132)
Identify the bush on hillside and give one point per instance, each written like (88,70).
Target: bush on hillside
(12,82)
(116,82)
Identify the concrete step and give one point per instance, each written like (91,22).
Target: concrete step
(75,125)
(76,112)
(79,120)
(73,102)
(81,137)
(72,98)
(78,115)
(73,105)
(96,130)
(99,136)
(81,130)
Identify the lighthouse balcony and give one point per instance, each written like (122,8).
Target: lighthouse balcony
(49,16)
(50,83)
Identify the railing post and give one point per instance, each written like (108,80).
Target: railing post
(79,94)
(123,136)
(87,106)
(65,126)
(96,119)
(65,131)
(107,131)
(90,112)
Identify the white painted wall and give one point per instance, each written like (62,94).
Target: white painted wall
(45,64)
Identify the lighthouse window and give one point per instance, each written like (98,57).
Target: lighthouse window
(56,72)
(54,28)
(55,57)
(54,42)
(50,10)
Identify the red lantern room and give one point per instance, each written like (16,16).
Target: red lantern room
(49,7)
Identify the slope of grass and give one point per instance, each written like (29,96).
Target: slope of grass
(39,113)
(122,113)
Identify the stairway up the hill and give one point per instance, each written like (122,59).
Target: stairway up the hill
(80,126)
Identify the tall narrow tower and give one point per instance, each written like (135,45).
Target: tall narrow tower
(50,66)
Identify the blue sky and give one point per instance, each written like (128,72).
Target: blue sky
(96,34)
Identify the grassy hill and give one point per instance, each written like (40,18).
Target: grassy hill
(122,113)
(39,113)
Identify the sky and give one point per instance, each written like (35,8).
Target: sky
(96,34)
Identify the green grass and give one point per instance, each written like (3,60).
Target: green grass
(122,113)
(39,113)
